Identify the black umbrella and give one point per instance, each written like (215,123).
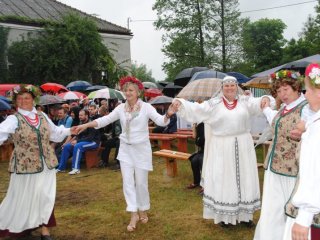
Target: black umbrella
(78,85)
(210,73)
(171,90)
(184,76)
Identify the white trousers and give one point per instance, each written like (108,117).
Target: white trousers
(276,193)
(135,187)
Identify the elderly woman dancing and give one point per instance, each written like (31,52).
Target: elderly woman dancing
(135,153)
(281,164)
(229,173)
(30,198)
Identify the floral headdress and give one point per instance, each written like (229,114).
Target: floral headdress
(131,79)
(284,74)
(23,88)
(313,72)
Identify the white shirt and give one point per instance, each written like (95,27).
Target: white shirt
(8,126)
(138,131)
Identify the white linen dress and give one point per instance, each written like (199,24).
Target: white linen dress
(30,198)
(229,173)
(307,197)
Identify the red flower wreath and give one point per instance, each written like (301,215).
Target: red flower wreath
(131,79)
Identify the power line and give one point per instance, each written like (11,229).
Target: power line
(282,6)
(249,11)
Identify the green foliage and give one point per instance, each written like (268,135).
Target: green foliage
(263,42)
(141,72)
(296,49)
(62,52)
(3,54)
(198,33)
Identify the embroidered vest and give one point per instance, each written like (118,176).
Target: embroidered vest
(292,211)
(31,145)
(283,150)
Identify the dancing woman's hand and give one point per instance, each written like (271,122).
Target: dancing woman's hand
(265,102)
(175,105)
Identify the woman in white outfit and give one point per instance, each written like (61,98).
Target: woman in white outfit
(281,164)
(229,172)
(30,198)
(135,154)
(303,208)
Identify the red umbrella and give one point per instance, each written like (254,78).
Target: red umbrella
(53,87)
(72,95)
(152,92)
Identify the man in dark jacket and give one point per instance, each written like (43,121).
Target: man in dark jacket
(84,141)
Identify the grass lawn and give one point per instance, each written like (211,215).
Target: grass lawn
(91,206)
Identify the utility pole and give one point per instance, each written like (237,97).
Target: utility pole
(223,38)
(128,22)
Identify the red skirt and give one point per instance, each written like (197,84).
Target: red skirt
(51,223)
(315,233)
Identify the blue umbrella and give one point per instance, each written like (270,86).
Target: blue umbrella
(78,85)
(4,105)
(239,76)
(5,99)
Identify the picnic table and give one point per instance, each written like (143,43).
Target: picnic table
(6,150)
(171,158)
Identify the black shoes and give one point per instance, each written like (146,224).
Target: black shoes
(46,237)
(249,224)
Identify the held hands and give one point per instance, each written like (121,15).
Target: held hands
(299,232)
(175,105)
(265,102)
(296,133)
(80,128)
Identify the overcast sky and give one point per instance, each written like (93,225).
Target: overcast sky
(146,42)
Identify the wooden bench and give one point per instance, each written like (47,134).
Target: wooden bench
(164,138)
(92,157)
(6,150)
(171,157)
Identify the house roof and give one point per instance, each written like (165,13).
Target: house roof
(39,11)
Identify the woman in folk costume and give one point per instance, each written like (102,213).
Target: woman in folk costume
(135,154)
(281,163)
(30,198)
(230,175)
(303,208)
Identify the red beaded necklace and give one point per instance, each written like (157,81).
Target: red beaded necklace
(230,106)
(33,122)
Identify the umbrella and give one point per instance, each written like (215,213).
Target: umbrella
(50,99)
(171,90)
(160,100)
(208,74)
(4,105)
(95,87)
(78,85)
(184,76)
(53,87)
(239,76)
(72,95)
(201,89)
(107,93)
(152,92)
(147,85)
(258,82)
(7,100)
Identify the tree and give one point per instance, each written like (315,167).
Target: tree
(199,33)
(262,43)
(62,52)
(3,54)
(311,32)
(295,49)
(141,72)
